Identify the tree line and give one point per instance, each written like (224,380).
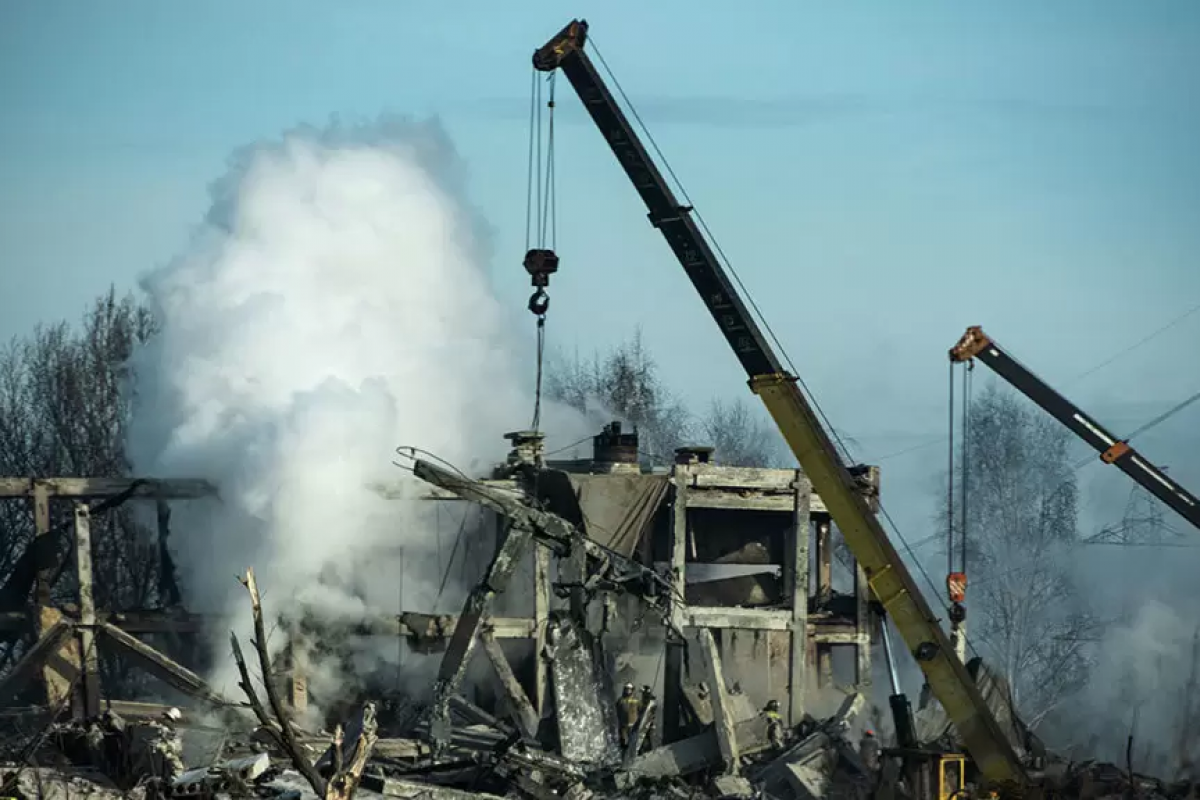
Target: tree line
(63,413)
(625,383)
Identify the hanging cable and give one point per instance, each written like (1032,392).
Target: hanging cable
(950,480)
(533,158)
(541,224)
(549,223)
(964,480)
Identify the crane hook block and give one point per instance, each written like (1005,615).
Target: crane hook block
(541,264)
(956,586)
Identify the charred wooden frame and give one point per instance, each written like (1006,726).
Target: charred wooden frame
(64,648)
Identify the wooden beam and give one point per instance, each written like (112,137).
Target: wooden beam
(149,621)
(90,659)
(718,700)
(541,618)
(760,619)
(60,666)
(824,592)
(715,476)
(674,655)
(797,580)
(41,527)
(750,500)
(712,493)
(862,624)
(94,488)
(833,637)
(297,672)
(163,667)
(35,657)
(173,621)
(401,491)
(525,716)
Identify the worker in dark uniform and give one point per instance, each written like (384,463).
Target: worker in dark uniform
(628,709)
(646,708)
(868,750)
(774,724)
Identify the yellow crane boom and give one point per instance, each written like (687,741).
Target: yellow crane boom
(890,580)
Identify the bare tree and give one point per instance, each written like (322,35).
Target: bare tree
(63,412)
(625,382)
(345,777)
(742,438)
(1026,614)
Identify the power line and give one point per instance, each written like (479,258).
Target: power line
(938,439)
(1136,345)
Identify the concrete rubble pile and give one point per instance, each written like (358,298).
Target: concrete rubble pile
(110,757)
(485,757)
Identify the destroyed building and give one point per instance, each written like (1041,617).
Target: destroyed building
(689,521)
(769,635)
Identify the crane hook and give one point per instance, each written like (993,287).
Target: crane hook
(539,302)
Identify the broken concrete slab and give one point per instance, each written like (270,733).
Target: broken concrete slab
(583,729)
(207,781)
(733,786)
(808,782)
(723,723)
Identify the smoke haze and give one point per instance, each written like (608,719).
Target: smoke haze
(333,305)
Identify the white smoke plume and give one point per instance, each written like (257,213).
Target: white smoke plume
(333,305)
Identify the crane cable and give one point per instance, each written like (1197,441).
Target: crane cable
(950,477)
(541,218)
(956,580)
(964,480)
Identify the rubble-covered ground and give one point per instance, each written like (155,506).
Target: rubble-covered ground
(110,757)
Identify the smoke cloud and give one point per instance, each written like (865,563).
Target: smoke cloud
(333,305)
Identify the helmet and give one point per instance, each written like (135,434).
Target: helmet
(629,688)
(772,705)
(868,732)
(173,714)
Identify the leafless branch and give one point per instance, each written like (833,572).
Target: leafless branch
(287,733)
(344,781)
(247,686)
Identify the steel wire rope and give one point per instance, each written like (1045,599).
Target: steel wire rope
(950,480)
(543,200)
(967,399)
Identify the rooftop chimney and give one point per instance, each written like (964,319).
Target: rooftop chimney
(613,451)
(527,448)
(693,454)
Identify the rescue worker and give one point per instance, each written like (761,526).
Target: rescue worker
(868,750)
(774,724)
(166,747)
(628,709)
(648,739)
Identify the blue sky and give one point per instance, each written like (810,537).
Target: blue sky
(882,174)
